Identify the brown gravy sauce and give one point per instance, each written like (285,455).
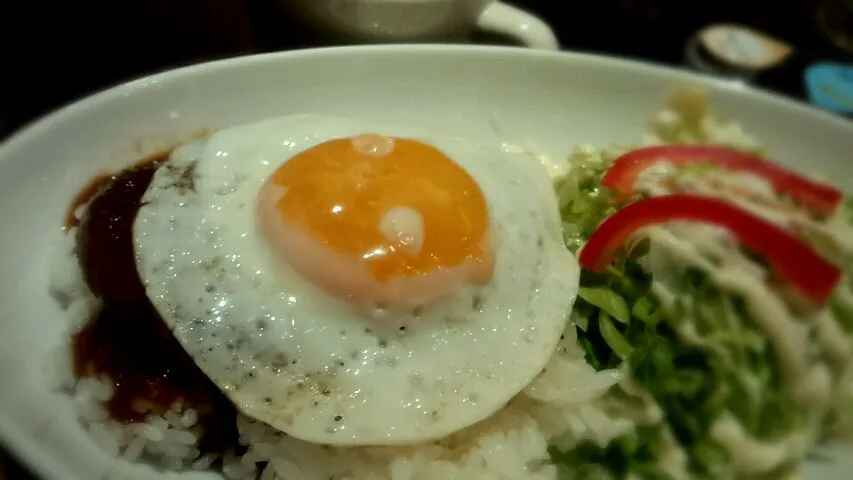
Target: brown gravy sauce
(127,340)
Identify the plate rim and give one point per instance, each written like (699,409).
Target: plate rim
(583,60)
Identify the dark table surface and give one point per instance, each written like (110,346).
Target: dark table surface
(56,52)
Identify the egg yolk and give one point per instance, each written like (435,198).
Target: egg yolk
(378,219)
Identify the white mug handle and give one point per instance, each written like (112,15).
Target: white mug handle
(529,29)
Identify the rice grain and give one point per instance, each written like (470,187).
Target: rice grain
(511,445)
(189,418)
(180,436)
(147,430)
(134,449)
(204,462)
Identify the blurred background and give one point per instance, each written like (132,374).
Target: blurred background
(56,52)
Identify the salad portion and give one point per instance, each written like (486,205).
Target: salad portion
(719,284)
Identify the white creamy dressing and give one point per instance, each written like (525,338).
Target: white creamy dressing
(833,338)
(760,200)
(672,458)
(809,384)
(833,238)
(840,230)
(714,251)
(663,294)
(652,179)
(753,457)
(650,412)
(788,335)
(687,332)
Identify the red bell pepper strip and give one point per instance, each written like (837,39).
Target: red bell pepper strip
(794,260)
(816,197)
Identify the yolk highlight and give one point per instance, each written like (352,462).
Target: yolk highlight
(398,207)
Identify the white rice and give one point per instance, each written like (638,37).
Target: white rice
(559,407)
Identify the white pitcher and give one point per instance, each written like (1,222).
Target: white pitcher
(421,20)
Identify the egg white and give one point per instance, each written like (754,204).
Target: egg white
(319,368)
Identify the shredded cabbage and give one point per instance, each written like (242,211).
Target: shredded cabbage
(702,360)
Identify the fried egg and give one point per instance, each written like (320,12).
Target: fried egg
(355,283)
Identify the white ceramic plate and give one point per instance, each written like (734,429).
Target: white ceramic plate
(547,101)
